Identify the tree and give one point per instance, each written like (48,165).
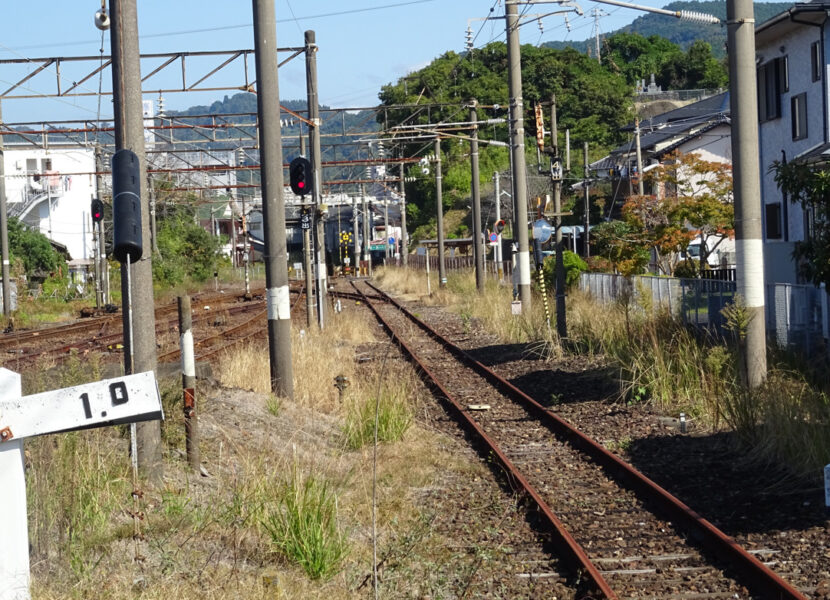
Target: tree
(693,199)
(637,57)
(622,245)
(33,249)
(592,102)
(656,220)
(809,185)
(186,250)
(697,68)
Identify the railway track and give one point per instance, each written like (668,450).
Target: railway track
(104,334)
(622,535)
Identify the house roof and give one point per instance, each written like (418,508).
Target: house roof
(805,13)
(664,132)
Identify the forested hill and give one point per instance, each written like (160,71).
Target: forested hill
(681,32)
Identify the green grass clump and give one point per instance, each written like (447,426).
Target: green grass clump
(303,525)
(394,416)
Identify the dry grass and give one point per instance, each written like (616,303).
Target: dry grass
(204,537)
(660,361)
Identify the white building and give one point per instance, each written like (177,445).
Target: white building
(51,191)
(791,51)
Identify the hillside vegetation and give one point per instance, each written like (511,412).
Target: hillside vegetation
(683,33)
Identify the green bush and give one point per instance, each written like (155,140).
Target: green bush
(186,251)
(574,267)
(33,249)
(689,268)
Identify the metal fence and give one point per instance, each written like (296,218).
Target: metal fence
(458,263)
(796,315)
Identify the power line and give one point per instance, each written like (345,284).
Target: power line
(241,26)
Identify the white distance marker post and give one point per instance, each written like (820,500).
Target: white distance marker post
(110,402)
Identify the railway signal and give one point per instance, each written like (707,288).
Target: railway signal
(300,176)
(97,210)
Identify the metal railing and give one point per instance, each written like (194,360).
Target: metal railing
(458,263)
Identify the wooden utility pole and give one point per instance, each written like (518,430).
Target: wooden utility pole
(140,356)
(273,202)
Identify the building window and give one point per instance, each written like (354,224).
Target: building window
(798,114)
(772,80)
(773,220)
(815,60)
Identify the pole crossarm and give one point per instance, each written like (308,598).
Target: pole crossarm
(101,63)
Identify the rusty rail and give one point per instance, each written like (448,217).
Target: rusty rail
(758,577)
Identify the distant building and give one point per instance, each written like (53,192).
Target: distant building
(51,191)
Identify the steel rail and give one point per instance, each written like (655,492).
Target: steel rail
(570,548)
(758,576)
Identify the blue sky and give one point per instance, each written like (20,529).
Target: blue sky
(363,43)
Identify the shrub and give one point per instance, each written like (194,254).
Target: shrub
(574,266)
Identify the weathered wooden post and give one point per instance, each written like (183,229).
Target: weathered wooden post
(191,424)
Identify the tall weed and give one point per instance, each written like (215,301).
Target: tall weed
(303,525)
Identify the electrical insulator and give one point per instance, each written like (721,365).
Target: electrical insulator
(541,27)
(698,17)
(240,156)
(469,38)
(161,104)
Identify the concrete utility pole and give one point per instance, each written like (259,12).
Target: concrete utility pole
(478,249)
(317,167)
(439,215)
(586,251)
(367,228)
(101,297)
(386,230)
(640,189)
(140,356)
(273,202)
(497,250)
(356,240)
(4,231)
(517,144)
(740,27)
(561,319)
(404,236)
(309,293)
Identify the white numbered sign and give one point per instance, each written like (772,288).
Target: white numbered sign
(109,402)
